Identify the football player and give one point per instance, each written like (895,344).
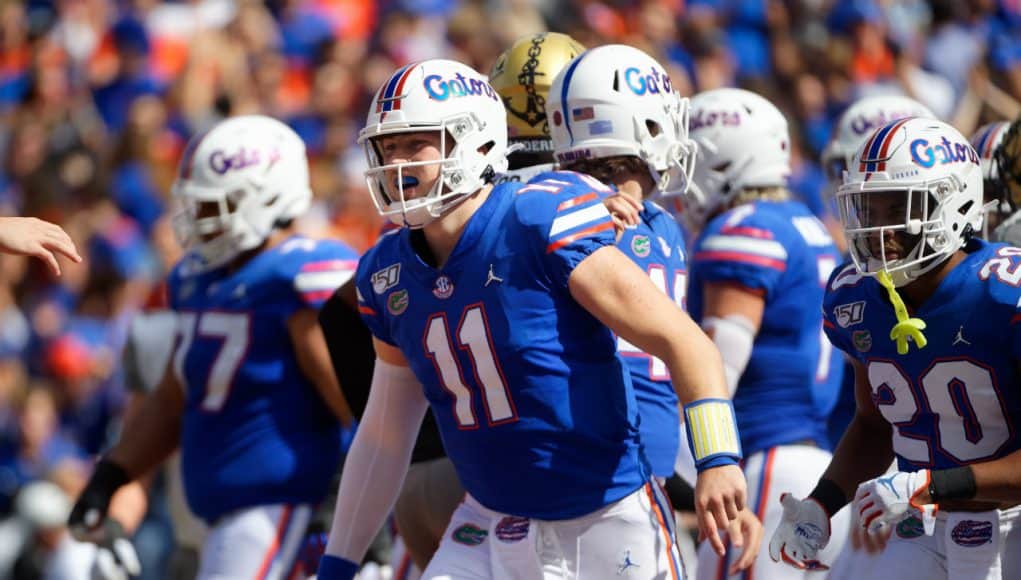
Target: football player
(489,306)
(250,395)
(431,490)
(758,272)
(1007,157)
(859,121)
(928,313)
(616,117)
(986,141)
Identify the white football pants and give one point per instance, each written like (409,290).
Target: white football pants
(964,546)
(631,538)
(258,543)
(792,469)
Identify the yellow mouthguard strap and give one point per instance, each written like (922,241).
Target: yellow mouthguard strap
(906,328)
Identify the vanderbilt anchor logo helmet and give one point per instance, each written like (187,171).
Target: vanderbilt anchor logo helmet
(522,76)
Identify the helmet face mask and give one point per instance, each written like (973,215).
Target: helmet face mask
(617,101)
(235,184)
(912,198)
(895,230)
(453,101)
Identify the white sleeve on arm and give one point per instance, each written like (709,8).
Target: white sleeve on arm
(734,336)
(378,460)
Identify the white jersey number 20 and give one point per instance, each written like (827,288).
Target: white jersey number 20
(971,422)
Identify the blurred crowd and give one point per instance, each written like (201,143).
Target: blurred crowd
(98,98)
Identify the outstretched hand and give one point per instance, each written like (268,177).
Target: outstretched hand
(720,494)
(28,236)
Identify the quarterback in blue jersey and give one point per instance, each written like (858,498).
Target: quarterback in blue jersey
(250,395)
(758,271)
(928,313)
(489,306)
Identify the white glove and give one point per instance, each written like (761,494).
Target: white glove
(885,500)
(116,558)
(803,531)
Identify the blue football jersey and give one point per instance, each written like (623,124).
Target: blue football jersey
(535,407)
(781,250)
(255,430)
(657,246)
(955,401)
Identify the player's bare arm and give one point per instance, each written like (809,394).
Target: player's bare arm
(29,236)
(154,432)
(866,450)
(314,360)
(130,503)
(621,296)
(149,437)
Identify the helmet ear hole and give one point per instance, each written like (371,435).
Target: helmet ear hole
(616,81)
(653,127)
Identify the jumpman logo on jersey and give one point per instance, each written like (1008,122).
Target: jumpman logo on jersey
(626,564)
(888,482)
(492,277)
(960,337)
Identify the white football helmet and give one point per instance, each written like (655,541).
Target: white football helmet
(859,121)
(457,102)
(616,100)
(743,143)
(252,170)
(985,141)
(911,198)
